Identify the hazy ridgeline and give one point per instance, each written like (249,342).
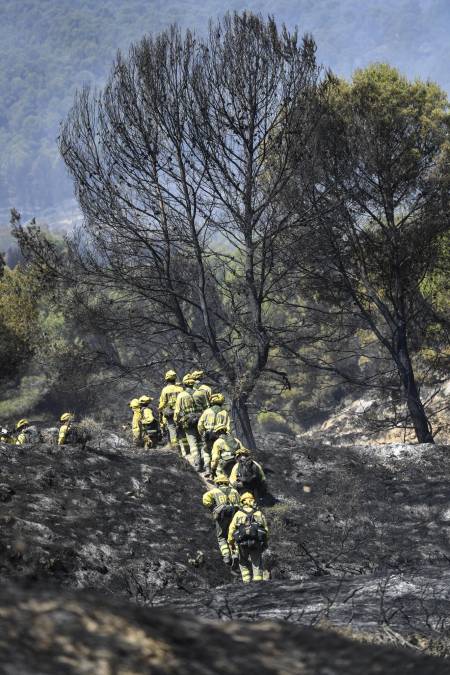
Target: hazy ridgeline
(50,48)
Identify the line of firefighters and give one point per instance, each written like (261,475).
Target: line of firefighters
(197,422)
(27,432)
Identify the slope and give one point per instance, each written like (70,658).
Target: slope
(116,520)
(358,534)
(48,632)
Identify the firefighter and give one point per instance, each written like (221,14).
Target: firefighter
(223,501)
(148,423)
(186,418)
(248,535)
(166,405)
(224,449)
(212,416)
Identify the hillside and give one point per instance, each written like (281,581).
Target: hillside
(359,537)
(50,48)
(90,634)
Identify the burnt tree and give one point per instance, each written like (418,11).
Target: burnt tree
(178,167)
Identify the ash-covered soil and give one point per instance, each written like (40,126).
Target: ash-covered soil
(356,510)
(71,633)
(124,521)
(359,535)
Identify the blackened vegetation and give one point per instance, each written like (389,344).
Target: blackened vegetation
(358,536)
(88,633)
(113,520)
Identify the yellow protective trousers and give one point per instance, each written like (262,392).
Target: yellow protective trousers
(250,564)
(221,533)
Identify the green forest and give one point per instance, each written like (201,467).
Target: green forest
(49,49)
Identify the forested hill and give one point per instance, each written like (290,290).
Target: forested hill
(50,47)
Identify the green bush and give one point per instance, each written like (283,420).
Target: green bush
(272,421)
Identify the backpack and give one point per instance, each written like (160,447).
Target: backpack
(200,400)
(247,471)
(148,418)
(33,435)
(229,454)
(191,420)
(250,533)
(169,410)
(77,436)
(210,435)
(224,512)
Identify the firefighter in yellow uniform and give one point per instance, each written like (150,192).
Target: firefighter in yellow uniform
(198,376)
(6,436)
(166,405)
(224,449)
(22,426)
(186,418)
(215,414)
(148,423)
(247,475)
(248,535)
(223,502)
(136,421)
(64,431)
(28,433)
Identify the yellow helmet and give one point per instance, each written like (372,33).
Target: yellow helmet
(188,379)
(22,423)
(221,479)
(65,417)
(197,374)
(134,403)
(220,426)
(242,451)
(170,376)
(217,398)
(145,399)
(247,498)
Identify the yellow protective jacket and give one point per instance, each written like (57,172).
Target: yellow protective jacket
(206,388)
(222,450)
(168,396)
(147,416)
(22,438)
(221,495)
(184,405)
(201,399)
(234,477)
(28,435)
(240,518)
(136,423)
(212,416)
(63,433)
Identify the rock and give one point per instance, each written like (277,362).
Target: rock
(6,492)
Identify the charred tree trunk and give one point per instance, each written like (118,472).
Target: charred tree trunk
(416,409)
(241,421)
